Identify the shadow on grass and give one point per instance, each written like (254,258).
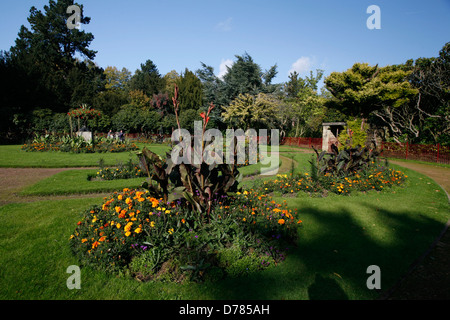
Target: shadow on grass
(334,250)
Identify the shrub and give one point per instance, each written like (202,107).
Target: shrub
(353,135)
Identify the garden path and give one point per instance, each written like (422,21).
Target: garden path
(439,174)
(12,180)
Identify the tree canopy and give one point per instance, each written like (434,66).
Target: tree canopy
(363,89)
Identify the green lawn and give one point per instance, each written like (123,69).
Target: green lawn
(76,182)
(13,156)
(340,237)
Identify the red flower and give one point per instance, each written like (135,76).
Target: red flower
(205,118)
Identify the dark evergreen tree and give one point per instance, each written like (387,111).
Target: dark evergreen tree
(190,91)
(41,68)
(147,79)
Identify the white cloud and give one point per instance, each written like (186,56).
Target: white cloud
(223,67)
(302,65)
(224,25)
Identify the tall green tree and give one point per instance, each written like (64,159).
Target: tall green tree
(363,89)
(213,86)
(244,77)
(147,79)
(116,93)
(426,117)
(247,111)
(303,106)
(42,66)
(190,91)
(116,79)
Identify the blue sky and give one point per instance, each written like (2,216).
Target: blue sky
(297,35)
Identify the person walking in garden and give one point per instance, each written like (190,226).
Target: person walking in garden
(121,136)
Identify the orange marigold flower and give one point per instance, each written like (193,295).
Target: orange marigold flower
(281,221)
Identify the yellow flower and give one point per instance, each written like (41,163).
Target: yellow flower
(152,224)
(127,234)
(139,194)
(120,197)
(118,226)
(128,226)
(138,230)
(170,231)
(83,240)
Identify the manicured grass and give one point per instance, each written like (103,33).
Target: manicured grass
(339,238)
(12,156)
(76,182)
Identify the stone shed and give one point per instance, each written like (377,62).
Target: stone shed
(330,133)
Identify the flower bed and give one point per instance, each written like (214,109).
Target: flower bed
(139,233)
(77,145)
(375,178)
(118,173)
